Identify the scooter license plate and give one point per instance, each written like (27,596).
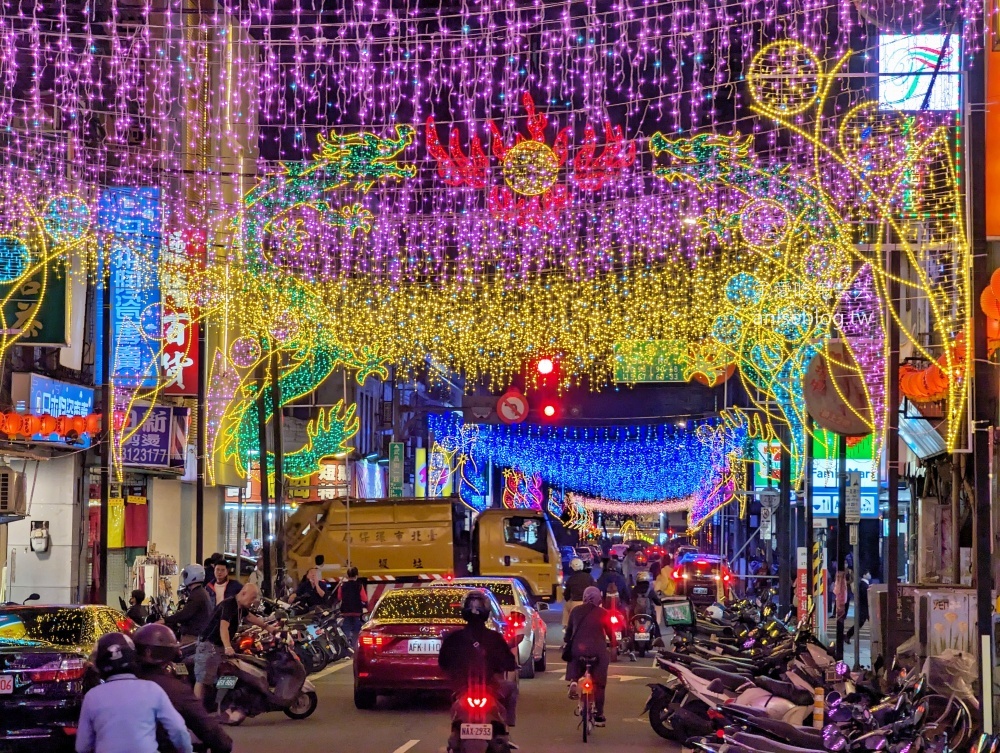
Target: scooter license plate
(618,635)
(226,682)
(476,732)
(180,669)
(642,636)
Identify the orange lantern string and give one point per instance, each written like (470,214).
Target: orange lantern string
(94,423)
(47,424)
(990,303)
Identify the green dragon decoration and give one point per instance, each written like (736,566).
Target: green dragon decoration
(353,162)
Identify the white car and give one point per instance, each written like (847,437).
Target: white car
(618,551)
(517,605)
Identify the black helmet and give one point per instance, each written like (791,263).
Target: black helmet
(476,607)
(114,654)
(156,644)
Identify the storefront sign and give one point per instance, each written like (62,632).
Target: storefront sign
(160,441)
(129,220)
(38,306)
(38,395)
(651,360)
(396,469)
(179,353)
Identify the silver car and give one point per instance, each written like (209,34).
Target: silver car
(524,616)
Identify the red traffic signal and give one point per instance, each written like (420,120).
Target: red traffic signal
(545,366)
(550,409)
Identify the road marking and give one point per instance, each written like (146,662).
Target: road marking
(406,747)
(330,670)
(627,678)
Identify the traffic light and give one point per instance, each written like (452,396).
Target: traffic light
(546,388)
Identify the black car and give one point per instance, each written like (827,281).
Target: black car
(703,578)
(45,670)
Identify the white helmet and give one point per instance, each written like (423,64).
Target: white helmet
(576,564)
(192,574)
(644,577)
(715,612)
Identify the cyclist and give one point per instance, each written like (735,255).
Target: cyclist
(587,635)
(476,656)
(578,581)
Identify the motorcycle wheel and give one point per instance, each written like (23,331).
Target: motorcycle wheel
(642,653)
(303,706)
(527,670)
(231,719)
(540,663)
(309,659)
(658,714)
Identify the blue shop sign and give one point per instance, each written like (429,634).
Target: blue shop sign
(38,395)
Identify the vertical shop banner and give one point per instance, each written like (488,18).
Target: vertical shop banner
(38,307)
(129,221)
(396,469)
(420,472)
(160,441)
(179,355)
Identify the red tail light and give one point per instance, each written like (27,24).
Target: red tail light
(587,685)
(477,702)
(614,619)
(67,671)
(246,643)
(374,642)
(517,620)
(677,574)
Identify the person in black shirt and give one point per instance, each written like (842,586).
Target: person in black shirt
(588,634)
(353,598)
(193,617)
(136,611)
(578,581)
(216,641)
(477,657)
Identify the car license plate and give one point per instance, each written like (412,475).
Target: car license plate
(6,684)
(700,590)
(423,647)
(226,682)
(476,732)
(642,636)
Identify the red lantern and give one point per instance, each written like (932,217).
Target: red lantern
(78,424)
(62,426)
(990,303)
(32,425)
(995,282)
(47,424)
(94,423)
(12,424)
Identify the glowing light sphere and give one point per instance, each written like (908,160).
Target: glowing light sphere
(244,351)
(66,219)
(545,366)
(764,223)
(743,289)
(784,78)
(530,168)
(14,258)
(549,410)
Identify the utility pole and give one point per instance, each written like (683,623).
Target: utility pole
(201,451)
(841,536)
(107,425)
(279,467)
(784,529)
(265,503)
(985,381)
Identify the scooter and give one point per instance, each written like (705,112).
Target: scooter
(478,724)
(643,633)
(274,681)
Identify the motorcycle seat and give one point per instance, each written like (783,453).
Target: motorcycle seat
(786,690)
(746,711)
(767,745)
(709,628)
(803,737)
(729,680)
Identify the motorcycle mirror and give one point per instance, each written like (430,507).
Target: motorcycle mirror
(32,597)
(919,713)
(833,738)
(833,699)
(876,742)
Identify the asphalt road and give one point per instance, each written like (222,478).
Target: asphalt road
(419,723)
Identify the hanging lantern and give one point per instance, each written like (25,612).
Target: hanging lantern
(94,423)
(78,424)
(47,424)
(12,424)
(32,425)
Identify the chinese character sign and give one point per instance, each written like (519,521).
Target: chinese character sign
(179,353)
(129,221)
(160,439)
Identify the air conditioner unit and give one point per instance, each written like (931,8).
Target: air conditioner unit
(13,497)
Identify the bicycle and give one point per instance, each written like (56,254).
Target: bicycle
(585,709)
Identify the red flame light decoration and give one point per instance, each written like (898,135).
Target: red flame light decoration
(591,171)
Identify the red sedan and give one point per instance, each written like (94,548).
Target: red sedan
(398,647)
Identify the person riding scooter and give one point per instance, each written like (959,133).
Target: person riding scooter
(477,658)
(157,648)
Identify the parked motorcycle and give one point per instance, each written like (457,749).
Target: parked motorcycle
(643,630)
(274,680)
